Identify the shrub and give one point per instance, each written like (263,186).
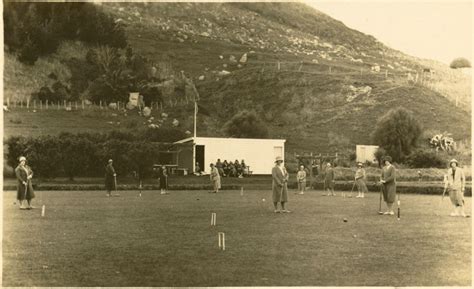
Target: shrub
(460,63)
(246,124)
(425,159)
(397,132)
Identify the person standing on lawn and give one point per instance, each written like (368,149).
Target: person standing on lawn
(456,183)
(301,179)
(389,186)
(360,179)
(163,181)
(279,185)
(329,180)
(24,174)
(215,179)
(110,176)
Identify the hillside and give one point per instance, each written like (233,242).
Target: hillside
(314,81)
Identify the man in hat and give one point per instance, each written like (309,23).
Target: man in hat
(215,179)
(329,180)
(279,185)
(456,183)
(110,178)
(24,174)
(360,179)
(389,187)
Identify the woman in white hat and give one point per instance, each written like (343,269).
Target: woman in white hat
(456,183)
(24,174)
(360,178)
(279,185)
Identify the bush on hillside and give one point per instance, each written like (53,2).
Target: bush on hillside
(397,132)
(37,29)
(246,124)
(425,159)
(460,62)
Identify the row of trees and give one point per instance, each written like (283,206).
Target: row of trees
(86,154)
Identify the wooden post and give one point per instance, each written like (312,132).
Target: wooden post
(100,104)
(8,102)
(83,104)
(46,104)
(330,69)
(28,103)
(278,65)
(386,73)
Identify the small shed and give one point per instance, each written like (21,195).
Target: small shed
(259,154)
(366,153)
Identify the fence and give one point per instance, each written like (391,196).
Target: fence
(70,105)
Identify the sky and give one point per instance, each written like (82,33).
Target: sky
(440,30)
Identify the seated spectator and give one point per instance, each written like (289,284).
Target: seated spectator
(225,167)
(219,167)
(232,170)
(245,168)
(197,169)
(238,168)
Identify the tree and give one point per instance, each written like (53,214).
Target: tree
(246,124)
(460,62)
(397,132)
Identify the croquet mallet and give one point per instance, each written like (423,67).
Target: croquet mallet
(380,199)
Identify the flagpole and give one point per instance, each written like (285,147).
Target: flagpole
(195,117)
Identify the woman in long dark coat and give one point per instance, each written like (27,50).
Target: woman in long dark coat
(279,185)
(24,174)
(389,185)
(110,178)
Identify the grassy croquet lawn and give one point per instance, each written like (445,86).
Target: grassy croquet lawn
(87,239)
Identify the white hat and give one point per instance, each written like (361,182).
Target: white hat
(278,159)
(453,161)
(22,159)
(110,160)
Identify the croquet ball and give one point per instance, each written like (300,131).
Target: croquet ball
(355,236)
(197,199)
(263,200)
(345,220)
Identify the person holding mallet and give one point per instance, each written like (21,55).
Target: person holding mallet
(456,183)
(110,175)
(388,182)
(360,178)
(329,180)
(279,185)
(24,174)
(215,179)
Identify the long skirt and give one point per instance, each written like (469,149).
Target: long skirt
(301,186)
(456,197)
(361,186)
(389,193)
(25,192)
(328,184)
(216,184)
(109,183)
(280,194)
(163,183)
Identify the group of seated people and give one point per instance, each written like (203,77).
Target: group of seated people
(227,169)
(232,169)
